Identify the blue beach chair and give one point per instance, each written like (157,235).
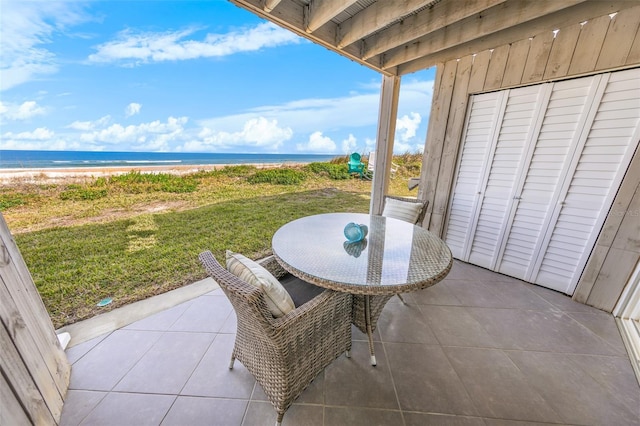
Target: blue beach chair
(356,165)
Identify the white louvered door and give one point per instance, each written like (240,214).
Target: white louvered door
(588,191)
(516,133)
(565,116)
(551,166)
(480,132)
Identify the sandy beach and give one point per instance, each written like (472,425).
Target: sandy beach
(57,175)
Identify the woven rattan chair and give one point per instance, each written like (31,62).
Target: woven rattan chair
(424,204)
(284,354)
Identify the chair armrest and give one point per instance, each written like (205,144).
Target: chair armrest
(271,264)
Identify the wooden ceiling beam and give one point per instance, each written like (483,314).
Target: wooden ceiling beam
(573,15)
(375,17)
(319,12)
(290,15)
(423,23)
(511,14)
(269,5)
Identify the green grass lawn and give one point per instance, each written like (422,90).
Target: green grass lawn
(138,236)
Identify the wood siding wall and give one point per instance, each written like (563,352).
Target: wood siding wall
(601,44)
(34,369)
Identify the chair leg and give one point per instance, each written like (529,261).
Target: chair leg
(401,299)
(233,358)
(279,420)
(348,354)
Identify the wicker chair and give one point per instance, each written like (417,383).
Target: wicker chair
(284,354)
(424,204)
(377,302)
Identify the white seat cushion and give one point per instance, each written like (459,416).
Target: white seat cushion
(276,296)
(403,210)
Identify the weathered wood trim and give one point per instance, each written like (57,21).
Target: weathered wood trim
(424,22)
(584,11)
(589,45)
(12,412)
(33,312)
(38,371)
(374,17)
(612,278)
(431,159)
(503,17)
(453,134)
(27,346)
(617,43)
(562,52)
(318,13)
(387,116)
(20,381)
(625,210)
(539,51)
(497,68)
(634,53)
(479,71)
(518,53)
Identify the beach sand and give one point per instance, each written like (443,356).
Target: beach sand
(80,174)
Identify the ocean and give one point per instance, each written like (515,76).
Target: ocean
(18,159)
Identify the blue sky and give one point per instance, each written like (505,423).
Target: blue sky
(185,76)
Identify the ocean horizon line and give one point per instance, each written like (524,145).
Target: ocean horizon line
(43,159)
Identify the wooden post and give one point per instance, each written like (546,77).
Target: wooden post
(387,116)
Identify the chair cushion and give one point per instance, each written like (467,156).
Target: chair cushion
(278,300)
(299,290)
(403,210)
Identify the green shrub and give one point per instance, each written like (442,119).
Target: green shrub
(334,171)
(11,200)
(278,177)
(230,171)
(179,186)
(237,171)
(79,193)
(135,182)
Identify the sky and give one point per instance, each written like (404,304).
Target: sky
(186,76)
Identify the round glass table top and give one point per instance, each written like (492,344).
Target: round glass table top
(395,256)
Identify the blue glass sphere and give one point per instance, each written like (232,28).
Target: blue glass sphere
(353,232)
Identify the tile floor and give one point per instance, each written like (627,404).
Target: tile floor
(478,348)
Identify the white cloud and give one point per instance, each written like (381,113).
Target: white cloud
(132,109)
(371,144)
(349,144)
(256,133)
(51,145)
(24,27)
(23,111)
(41,133)
(406,130)
(317,144)
(90,125)
(406,126)
(152,136)
(41,138)
(134,48)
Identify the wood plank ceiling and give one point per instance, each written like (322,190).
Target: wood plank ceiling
(396,37)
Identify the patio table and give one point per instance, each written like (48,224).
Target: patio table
(395,257)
